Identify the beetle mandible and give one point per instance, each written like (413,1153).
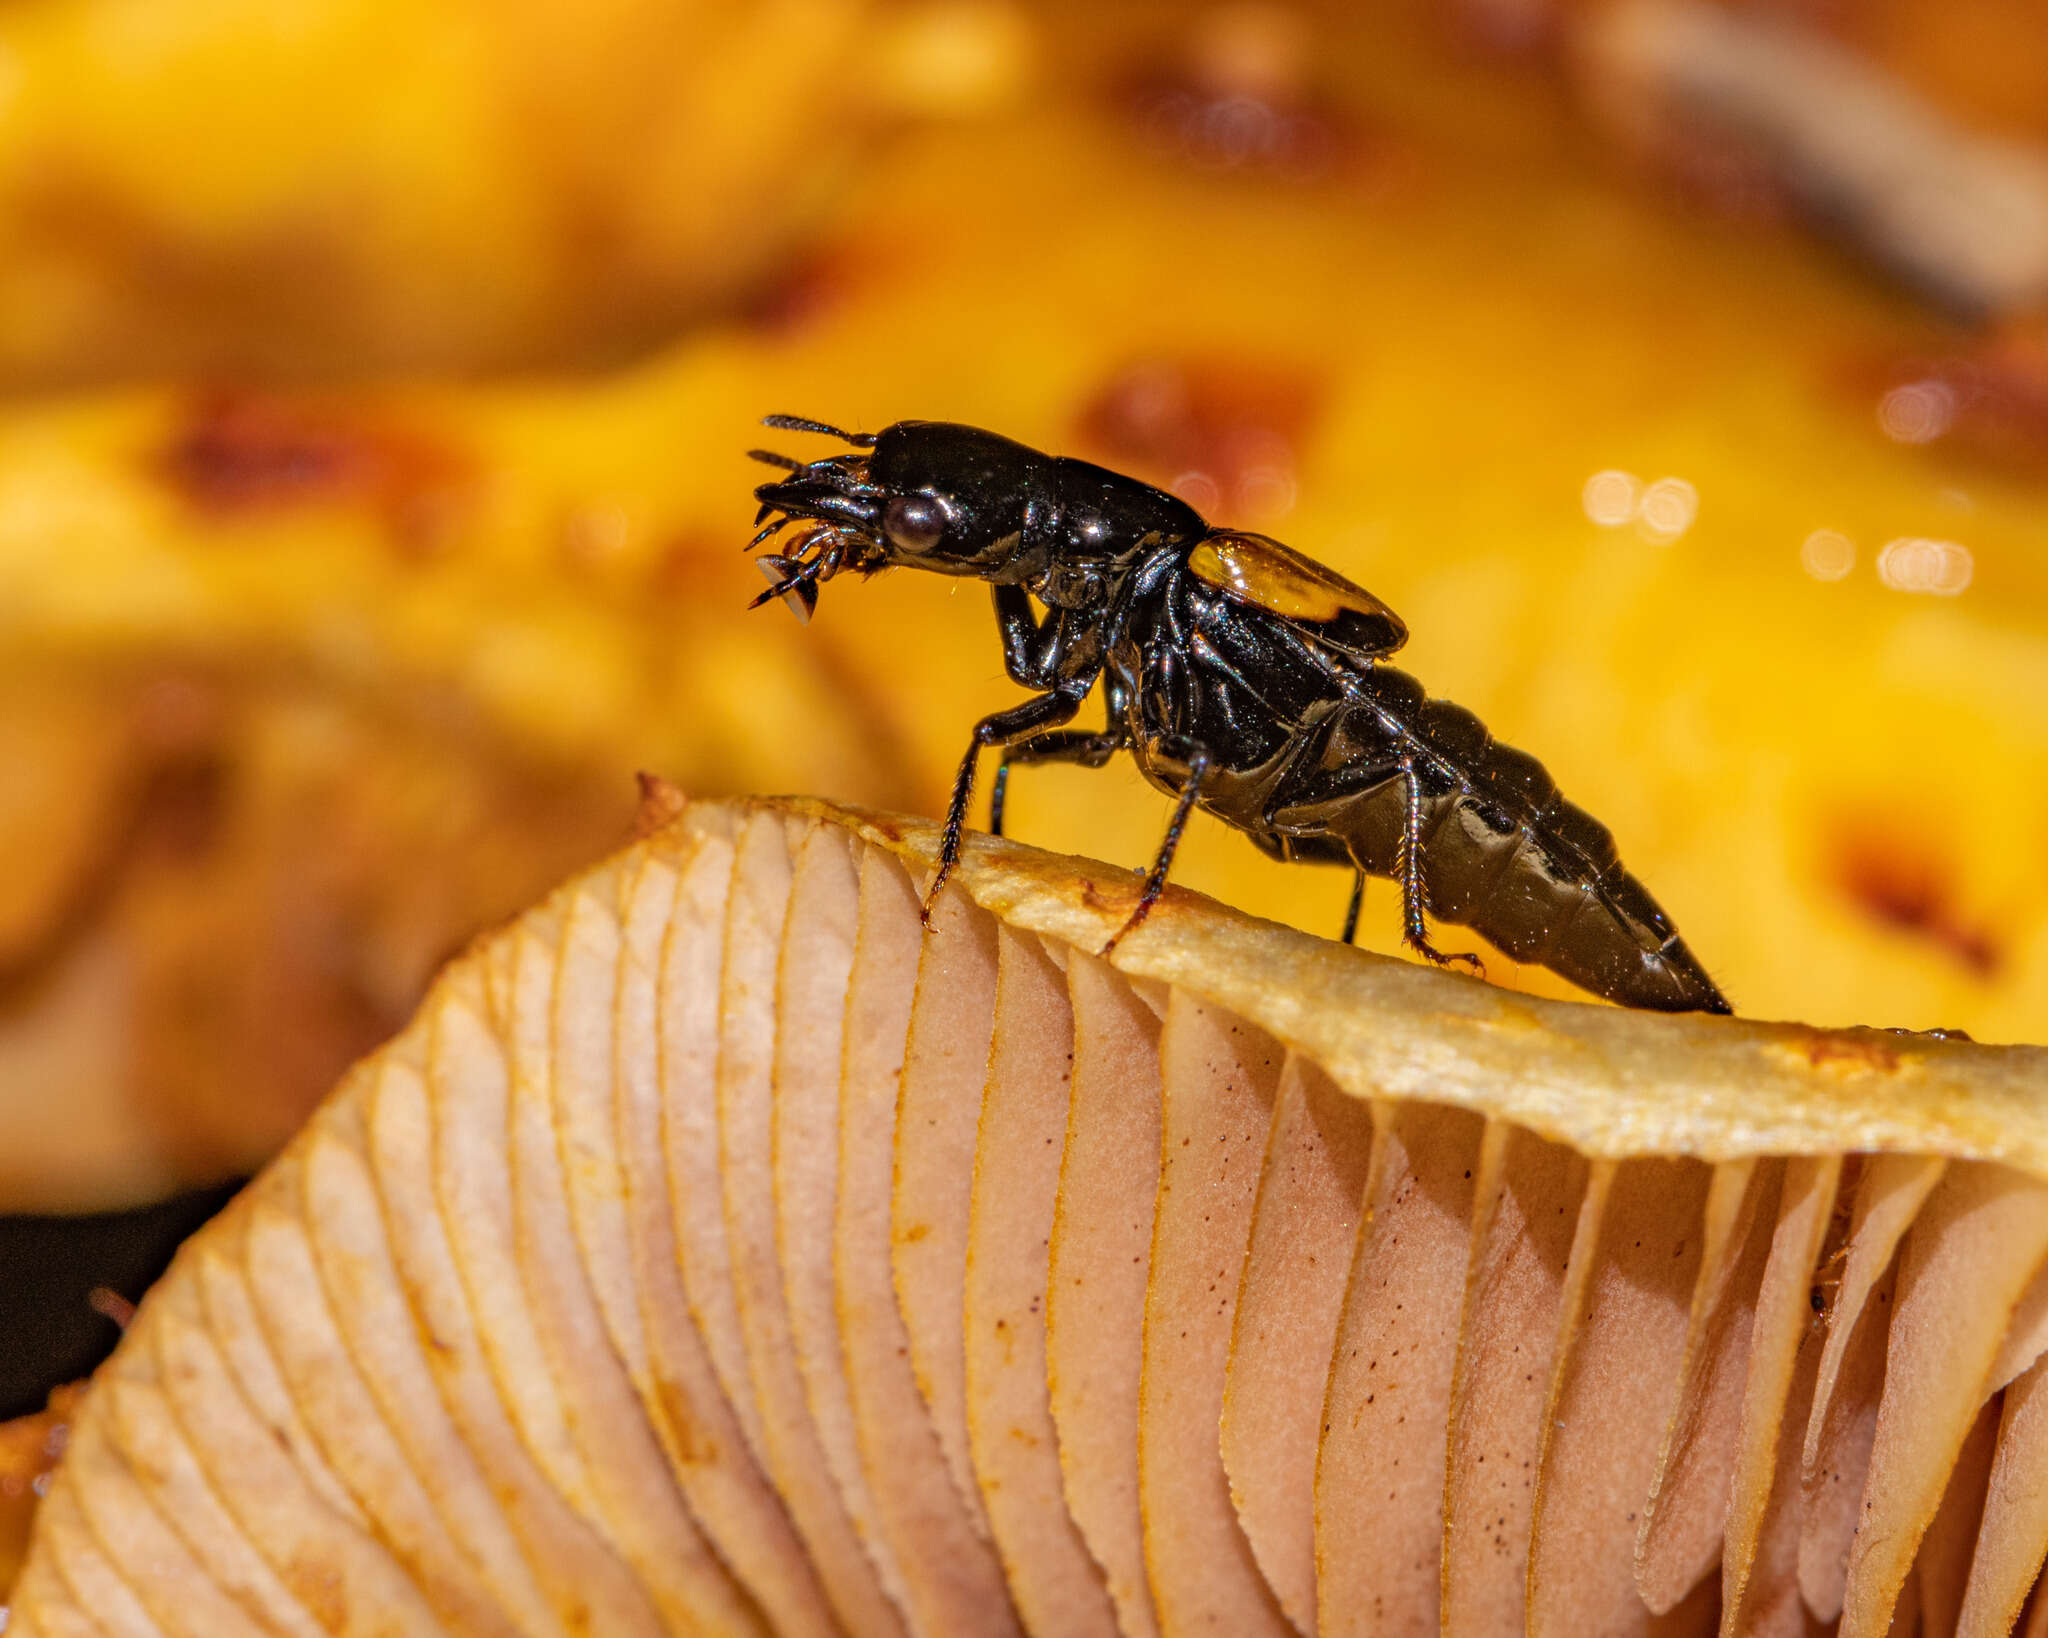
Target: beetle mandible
(1243,678)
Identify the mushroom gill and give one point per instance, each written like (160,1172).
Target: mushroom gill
(721,1251)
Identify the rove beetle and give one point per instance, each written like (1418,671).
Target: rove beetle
(1241,676)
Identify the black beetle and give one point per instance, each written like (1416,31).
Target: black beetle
(1240,676)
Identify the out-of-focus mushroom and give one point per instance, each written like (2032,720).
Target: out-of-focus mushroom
(230,191)
(1750,107)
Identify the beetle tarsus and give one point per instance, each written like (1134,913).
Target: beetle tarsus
(956,823)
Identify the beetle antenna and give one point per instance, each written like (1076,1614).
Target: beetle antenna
(799,423)
(768,457)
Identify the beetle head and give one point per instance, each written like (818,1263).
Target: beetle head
(958,499)
(928,494)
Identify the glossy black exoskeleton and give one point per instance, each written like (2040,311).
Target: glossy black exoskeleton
(1241,676)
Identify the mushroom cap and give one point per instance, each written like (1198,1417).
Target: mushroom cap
(719,1248)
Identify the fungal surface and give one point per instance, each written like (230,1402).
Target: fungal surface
(719,1251)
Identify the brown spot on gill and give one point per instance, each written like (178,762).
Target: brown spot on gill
(240,452)
(1911,888)
(1224,434)
(693,1446)
(1237,90)
(1095,899)
(1845,1053)
(317,1584)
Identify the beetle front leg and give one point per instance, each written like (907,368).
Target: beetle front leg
(1031,648)
(1046,711)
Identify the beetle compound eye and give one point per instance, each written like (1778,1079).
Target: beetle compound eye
(915,523)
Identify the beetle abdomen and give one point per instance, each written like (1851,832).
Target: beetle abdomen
(1535,899)
(1502,852)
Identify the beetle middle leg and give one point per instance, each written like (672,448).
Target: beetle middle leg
(1019,722)
(1357,904)
(1155,880)
(1061,745)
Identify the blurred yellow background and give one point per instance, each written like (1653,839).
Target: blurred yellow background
(373,477)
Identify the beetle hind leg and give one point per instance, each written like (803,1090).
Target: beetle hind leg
(1414,891)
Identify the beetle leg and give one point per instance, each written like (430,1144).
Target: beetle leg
(1414,894)
(1020,721)
(1025,638)
(1155,883)
(998,793)
(1357,904)
(1037,653)
(1061,745)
